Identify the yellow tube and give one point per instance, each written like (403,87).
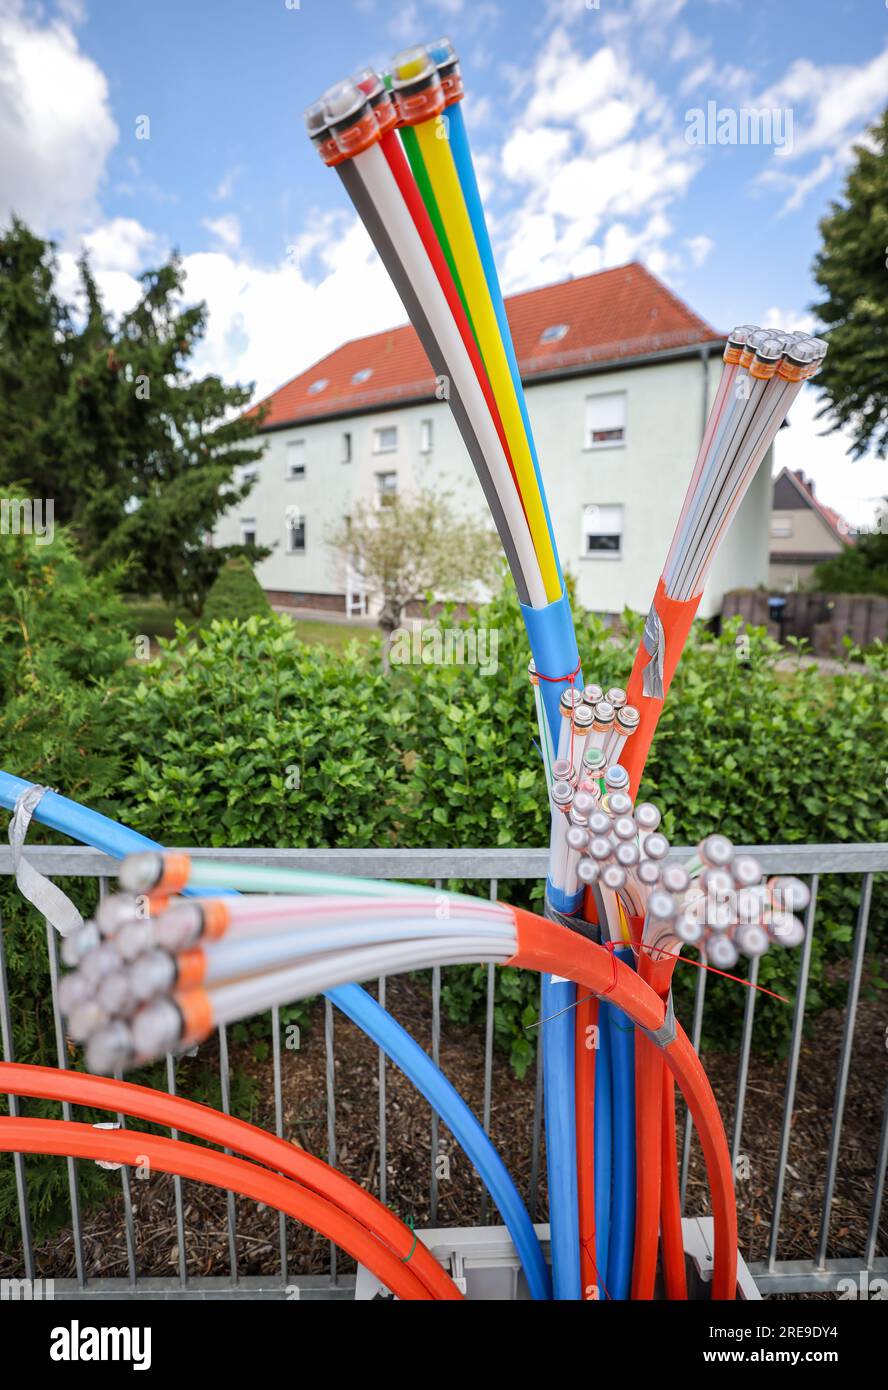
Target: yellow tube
(432,136)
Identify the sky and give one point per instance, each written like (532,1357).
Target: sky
(133,129)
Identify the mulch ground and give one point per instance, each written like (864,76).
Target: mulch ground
(408,1159)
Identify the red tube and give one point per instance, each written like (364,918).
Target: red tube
(198,1164)
(676,619)
(674,1274)
(547,946)
(648,1143)
(397,162)
(106,1093)
(584,1084)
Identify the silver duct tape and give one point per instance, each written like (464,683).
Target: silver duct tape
(654,639)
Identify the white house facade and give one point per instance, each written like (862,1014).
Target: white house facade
(617,423)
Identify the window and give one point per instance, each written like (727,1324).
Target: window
(249,475)
(295,535)
(554,333)
(426,436)
(296,458)
(318,385)
(602,530)
(248,530)
(605,420)
(386,488)
(347,447)
(363,375)
(385,440)
(781,526)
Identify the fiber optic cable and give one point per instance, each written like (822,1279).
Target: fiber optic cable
(411,70)
(244,1139)
(444,55)
(621,1037)
(603,1145)
(107,835)
(136,1149)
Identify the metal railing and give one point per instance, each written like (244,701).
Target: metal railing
(494,866)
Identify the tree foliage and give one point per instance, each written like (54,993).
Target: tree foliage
(105,418)
(417,545)
(851,270)
(236,593)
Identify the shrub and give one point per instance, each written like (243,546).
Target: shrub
(235,593)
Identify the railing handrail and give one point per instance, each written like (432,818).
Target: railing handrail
(504,863)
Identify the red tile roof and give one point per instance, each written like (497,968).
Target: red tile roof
(621,313)
(833,519)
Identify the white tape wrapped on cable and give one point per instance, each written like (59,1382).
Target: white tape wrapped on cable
(48,899)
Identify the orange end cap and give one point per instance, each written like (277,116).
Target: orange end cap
(176,872)
(197,1014)
(216,918)
(191,967)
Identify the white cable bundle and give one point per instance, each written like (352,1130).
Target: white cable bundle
(764,372)
(127,996)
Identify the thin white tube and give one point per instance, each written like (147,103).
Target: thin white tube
(383,189)
(332,911)
(747,465)
(231,1002)
(729,372)
(729,443)
(227,960)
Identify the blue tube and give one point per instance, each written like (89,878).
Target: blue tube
(388,1034)
(553,642)
(602,1147)
(561,1134)
(118,840)
(465,168)
(621,1035)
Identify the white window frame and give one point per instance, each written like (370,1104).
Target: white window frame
(426,436)
(385,494)
(611,519)
(292,475)
(591,443)
(292,523)
(248,527)
(378,446)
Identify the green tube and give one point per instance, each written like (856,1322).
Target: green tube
(424,184)
(247,878)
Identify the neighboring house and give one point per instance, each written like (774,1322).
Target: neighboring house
(803,532)
(619,374)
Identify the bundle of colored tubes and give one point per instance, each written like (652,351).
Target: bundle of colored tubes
(764,371)
(154,973)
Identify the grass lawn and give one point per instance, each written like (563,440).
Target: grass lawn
(155,618)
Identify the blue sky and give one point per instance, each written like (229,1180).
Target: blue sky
(578,115)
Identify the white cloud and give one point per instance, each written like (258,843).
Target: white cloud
(699,248)
(226,230)
(225,186)
(124,244)
(528,155)
(599,155)
(56,126)
(836,101)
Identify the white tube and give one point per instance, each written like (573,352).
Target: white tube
(231,1002)
(226,960)
(382,188)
